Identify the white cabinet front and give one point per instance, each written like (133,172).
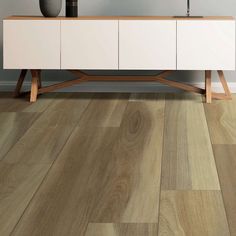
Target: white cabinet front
(89,44)
(31,44)
(206,45)
(147,44)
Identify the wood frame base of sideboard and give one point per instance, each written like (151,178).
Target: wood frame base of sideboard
(37,88)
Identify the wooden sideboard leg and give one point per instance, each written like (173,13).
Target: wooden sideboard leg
(227,94)
(224,84)
(34,85)
(208,86)
(20,83)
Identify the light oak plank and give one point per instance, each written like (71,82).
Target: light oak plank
(226,165)
(70,190)
(102,175)
(188,161)
(45,139)
(103,229)
(10,104)
(43,103)
(31,157)
(137,164)
(151,98)
(194,213)
(12,127)
(221,119)
(105,110)
(18,183)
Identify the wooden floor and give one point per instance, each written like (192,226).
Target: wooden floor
(117,165)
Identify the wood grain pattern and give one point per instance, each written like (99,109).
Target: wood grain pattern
(12,127)
(136,160)
(31,157)
(9,104)
(70,190)
(44,141)
(102,229)
(18,183)
(193,213)
(226,165)
(43,103)
(105,110)
(188,161)
(150,98)
(114,166)
(221,119)
(93,164)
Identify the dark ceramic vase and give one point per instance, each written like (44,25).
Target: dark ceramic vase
(50,8)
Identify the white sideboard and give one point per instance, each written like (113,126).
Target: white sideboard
(206,45)
(120,43)
(89,44)
(147,45)
(31,44)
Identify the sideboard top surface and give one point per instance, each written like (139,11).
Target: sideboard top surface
(117,18)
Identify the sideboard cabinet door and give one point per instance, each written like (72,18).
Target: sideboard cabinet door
(31,44)
(89,44)
(206,45)
(147,44)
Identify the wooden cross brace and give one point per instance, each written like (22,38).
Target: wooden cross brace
(36,85)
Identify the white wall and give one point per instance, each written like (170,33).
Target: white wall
(118,7)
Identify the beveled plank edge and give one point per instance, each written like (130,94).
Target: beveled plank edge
(117,18)
(37,116)
(214,146)
(116,228)
(50,166)
(217,192)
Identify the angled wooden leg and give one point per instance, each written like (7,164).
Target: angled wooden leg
(34,85)
(224,84)
(20,83)
(208,86)
(227,94)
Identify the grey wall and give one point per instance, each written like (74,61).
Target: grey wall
(119,7)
